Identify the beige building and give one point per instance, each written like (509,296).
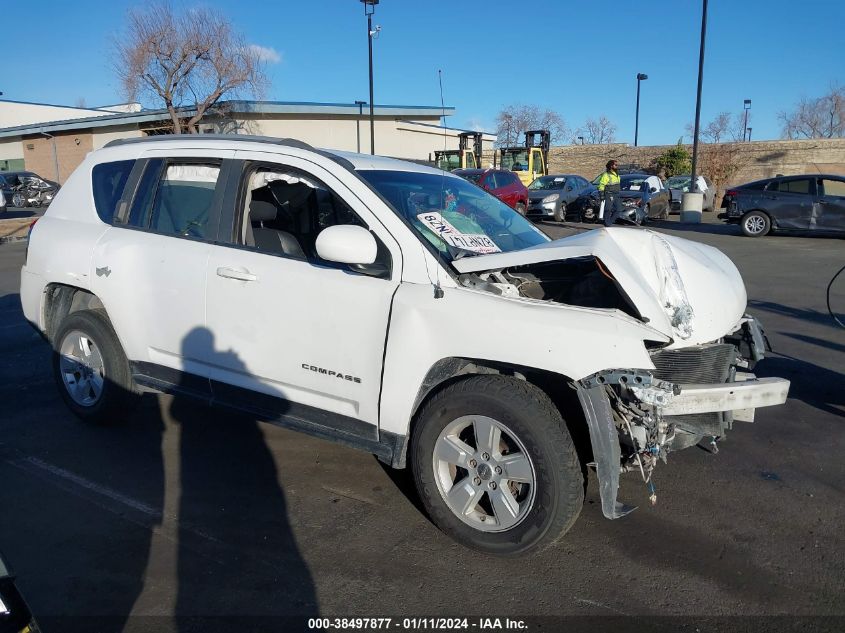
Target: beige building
(52,140)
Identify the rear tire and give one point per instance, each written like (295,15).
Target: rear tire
(755,224)
(19,200)
(495,466)
(91,369)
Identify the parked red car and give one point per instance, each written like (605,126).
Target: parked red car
(505,185)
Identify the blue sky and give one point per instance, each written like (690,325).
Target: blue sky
(577,57)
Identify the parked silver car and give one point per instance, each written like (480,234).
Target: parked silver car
(548,196)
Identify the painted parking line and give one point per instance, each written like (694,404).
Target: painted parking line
(36,466)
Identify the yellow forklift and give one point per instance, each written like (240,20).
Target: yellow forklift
(463,157)
(530,161)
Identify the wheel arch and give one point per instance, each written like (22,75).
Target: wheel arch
(60,300)
(772,223)
(558,387)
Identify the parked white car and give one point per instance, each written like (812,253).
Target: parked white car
(679,185)
(396,309)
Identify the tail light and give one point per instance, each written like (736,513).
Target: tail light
(731,192)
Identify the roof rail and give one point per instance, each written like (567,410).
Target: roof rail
(165,138)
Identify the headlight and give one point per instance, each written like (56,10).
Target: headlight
(551,198)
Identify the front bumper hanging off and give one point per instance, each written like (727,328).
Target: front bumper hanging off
(661,400)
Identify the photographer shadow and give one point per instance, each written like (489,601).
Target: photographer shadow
(238,559)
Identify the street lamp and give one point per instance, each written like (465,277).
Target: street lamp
(581,138)
(640,77)
(691,202)
(746,105)
(369,9)
(360,105)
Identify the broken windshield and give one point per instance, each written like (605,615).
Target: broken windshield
(456,217)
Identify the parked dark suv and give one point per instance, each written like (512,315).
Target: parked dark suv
(814,202)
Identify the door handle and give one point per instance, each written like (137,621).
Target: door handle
(232,273)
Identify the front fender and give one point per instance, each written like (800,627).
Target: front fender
(571,341)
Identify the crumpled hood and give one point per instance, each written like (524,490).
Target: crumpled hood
(688,291)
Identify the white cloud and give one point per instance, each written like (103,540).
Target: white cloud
(266,54)
(477,125)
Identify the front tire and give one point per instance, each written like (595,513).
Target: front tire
(520,209)
(755,224)
(495,466)
(91,369)
(560,212)
(19,200)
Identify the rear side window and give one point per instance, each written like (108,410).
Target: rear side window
(760,185)
(183,201)
(108,181)
(792,186)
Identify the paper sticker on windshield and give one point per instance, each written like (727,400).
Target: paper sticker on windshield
(475,242)
(560,179)
(634,188)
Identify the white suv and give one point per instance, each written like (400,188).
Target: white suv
(396,309)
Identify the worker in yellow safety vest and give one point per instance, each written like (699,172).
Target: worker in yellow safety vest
(609,177)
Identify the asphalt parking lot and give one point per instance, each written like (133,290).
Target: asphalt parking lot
(181,510)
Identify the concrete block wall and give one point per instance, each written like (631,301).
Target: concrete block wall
(757,159)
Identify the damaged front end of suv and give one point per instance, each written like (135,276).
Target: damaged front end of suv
(700,379)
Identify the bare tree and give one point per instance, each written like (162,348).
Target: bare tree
(722,128)
(823,117)
(516,119)
(597,131)
(186,60)
(721,162)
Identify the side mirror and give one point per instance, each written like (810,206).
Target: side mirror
(347,244)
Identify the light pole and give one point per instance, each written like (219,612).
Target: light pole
(692,202)
(746,105)
(369,9)
(640,77)
(581,138)
(749,134)
(360,105)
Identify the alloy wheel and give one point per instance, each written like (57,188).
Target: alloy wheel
(81,366)
(755,224)
(484,473)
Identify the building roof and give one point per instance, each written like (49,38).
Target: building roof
(238,107)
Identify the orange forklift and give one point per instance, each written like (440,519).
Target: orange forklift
(530,161)
(463,157)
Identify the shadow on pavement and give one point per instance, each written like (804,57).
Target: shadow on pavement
(812,340)
(817,386)
(814,316)
(704,227)
(175,520)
